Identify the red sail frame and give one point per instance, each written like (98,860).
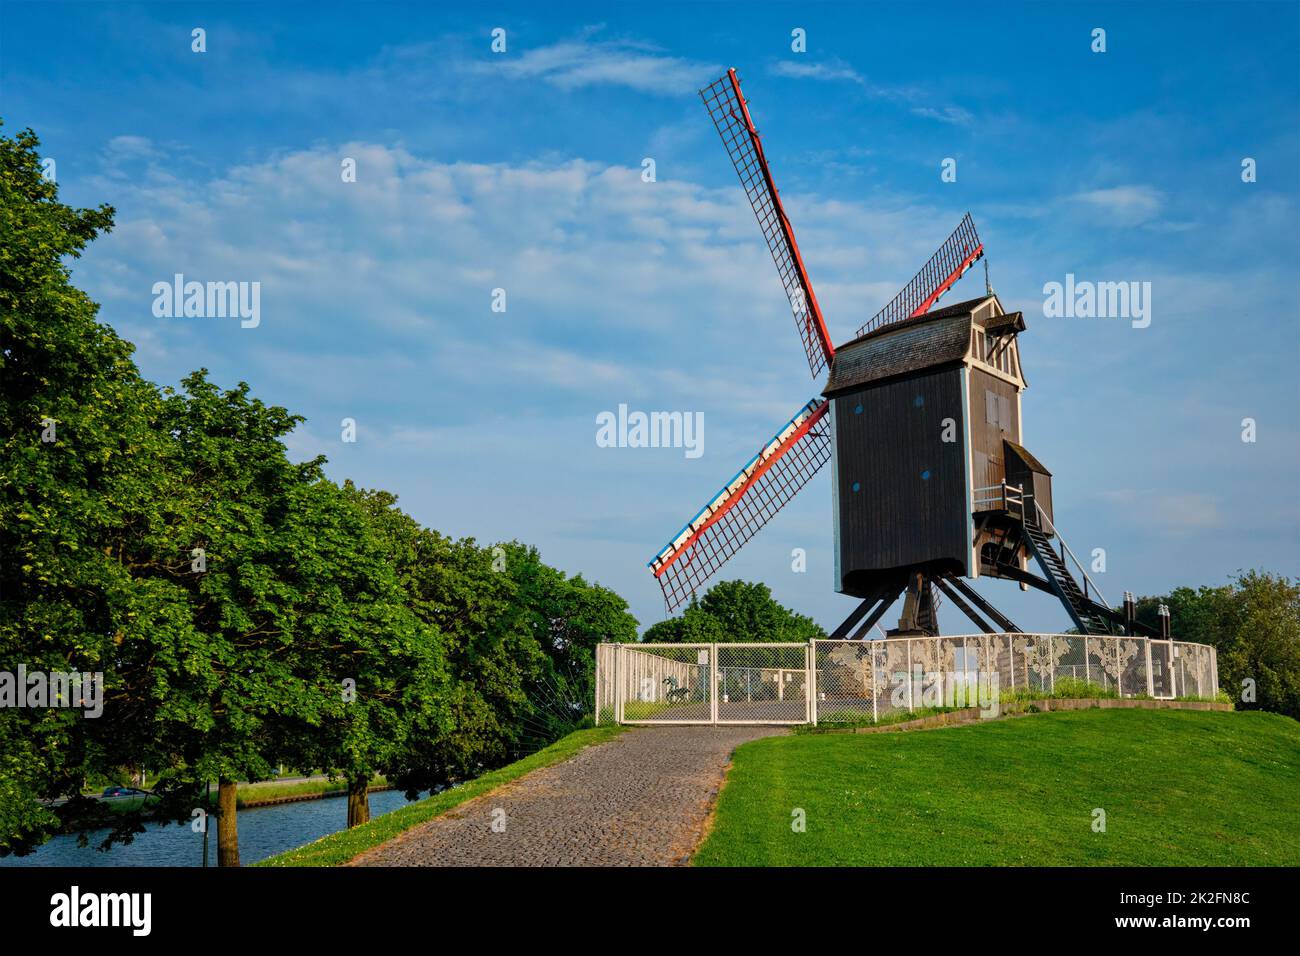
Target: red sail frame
(744,505)
(730,114)
(958,253)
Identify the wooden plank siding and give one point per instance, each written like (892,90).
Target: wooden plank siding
(988,456)
(988,460)
(909,508)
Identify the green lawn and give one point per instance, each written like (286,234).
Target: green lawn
(338,848)
(1178,788)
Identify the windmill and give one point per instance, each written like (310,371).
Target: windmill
(920,419)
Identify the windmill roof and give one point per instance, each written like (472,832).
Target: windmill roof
(1033,463)
(1007,322)
(935,338)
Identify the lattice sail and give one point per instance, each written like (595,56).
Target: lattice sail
(744,505)
(730,115)
(961,251)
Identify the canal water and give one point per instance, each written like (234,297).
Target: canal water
(263,832)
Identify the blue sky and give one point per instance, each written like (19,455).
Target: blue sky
(522,170)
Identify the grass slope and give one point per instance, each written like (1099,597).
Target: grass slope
(1178,787)
(338,848)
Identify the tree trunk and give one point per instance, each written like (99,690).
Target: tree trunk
(358,801)
(227,824)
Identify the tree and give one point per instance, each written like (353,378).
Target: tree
(736,611)
(695,626)
(81,461)
(566,617)
(376,670)
(239,674)
(243,610)
(1253,623)
(453,590)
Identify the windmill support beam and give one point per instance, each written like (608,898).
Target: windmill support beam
(1008,626)
(962,606)
(1013,573)
(841,632)
(920,615)
(876,615)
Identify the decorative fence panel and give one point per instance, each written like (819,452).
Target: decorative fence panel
(1195,670)
(851,681)
(1162,669)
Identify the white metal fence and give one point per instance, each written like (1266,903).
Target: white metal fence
(835,681)
(703,683)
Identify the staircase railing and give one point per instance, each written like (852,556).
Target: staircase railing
(1046,523)
(1008,498)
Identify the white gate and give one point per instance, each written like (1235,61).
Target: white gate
(754,683)
(762,684)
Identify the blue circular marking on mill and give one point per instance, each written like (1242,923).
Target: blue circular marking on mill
(856,486)
(857,410)
(925,475)
(918,401)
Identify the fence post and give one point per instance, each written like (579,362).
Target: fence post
(1214,671)
(1151,680)
(938,663)
(618,684)
(1087,672)
(811,682)
(597,682)
(910,708)
(965,674)
(713,683)
(1051,661)
(1011,660)
(875,710)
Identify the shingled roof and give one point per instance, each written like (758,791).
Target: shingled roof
(1024,453)
(1006,324)
(935,338)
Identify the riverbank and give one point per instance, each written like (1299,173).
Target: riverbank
(264,831)
(269,793)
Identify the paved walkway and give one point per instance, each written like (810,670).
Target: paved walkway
(640,799)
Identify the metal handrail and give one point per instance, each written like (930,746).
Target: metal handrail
(1042,517)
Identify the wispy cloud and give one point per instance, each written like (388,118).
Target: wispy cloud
(945,114)
(833,70)
(574,64)
(1124,205)
(836,70)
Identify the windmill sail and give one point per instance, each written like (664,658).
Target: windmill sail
(744,505)
(730,115)
(958,253)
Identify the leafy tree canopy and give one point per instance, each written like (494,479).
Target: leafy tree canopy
(735,611)
(1254,623)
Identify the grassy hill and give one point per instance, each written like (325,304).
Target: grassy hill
(1178,788)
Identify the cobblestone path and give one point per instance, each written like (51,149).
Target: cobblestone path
(640,799)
